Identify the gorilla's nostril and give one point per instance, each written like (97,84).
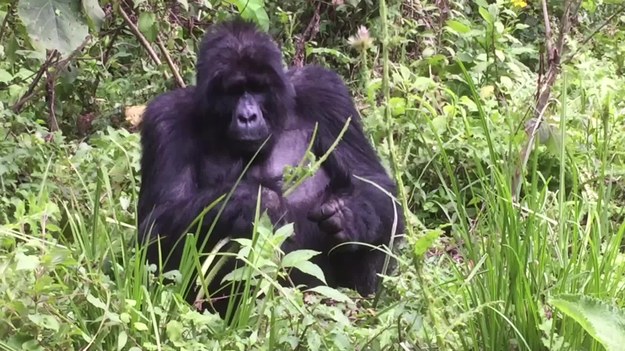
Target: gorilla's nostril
(247,118)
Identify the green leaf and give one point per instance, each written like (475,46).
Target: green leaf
(486,15)
(458,27)
(174,330)
(398,106)
(439,123)
(284,232)
(96,302)
(253,10)
(5,76)
(294,257)
(44,321)
(54,24)
(122,339)
(26,263)
(603,322)
(311,269)
(140,326)
(331,293)
(147,25)
(94,13)
(184,4)
(425,242)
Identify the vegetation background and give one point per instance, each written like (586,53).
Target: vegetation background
(501,120)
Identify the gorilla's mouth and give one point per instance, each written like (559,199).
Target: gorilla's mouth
(249,140)
(249,135)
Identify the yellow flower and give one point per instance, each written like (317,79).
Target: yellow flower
(519,3)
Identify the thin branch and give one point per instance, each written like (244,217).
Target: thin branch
(144,42)
(30,92)
(544,86)
(170,62)
(59,66)
(107,51)
(311,31)
(553,54)
(62,64)
(593,33)
(548,33)
(53,124)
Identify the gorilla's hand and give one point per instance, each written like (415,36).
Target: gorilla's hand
(336,218)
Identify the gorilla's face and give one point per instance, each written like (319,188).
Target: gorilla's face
(248,106)
(248,123)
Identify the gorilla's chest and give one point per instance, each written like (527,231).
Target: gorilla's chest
(289,150)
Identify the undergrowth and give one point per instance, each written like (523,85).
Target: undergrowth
(499,254)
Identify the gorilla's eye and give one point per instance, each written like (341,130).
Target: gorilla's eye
(234,90)
(256,88)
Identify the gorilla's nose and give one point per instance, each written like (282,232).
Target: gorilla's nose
(248,113)
(247,118)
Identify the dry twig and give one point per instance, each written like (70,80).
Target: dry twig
(170,62)
(53,124)
(32,92)
(593,33)
(142,40)
(311,31)
(545,84)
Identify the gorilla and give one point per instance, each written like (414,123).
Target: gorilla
(246,107)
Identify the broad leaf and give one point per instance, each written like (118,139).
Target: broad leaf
(458,27)
(603,322)
(331,293)
(184,4)
(486,15)
(95,14)
(96,302)
(425,242)
(147,25)
(45,321)
(5,76)
(311,269)
(54,24)
(253,10)
(26,263)
(293,258)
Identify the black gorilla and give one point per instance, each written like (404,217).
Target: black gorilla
(196,142)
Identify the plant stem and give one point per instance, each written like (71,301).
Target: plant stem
(386,90)
(394,166)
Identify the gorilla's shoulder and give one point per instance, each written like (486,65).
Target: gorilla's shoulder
(315,77)
(169,105)
(321,94)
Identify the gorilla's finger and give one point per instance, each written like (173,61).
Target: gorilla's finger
(331,225)
(342,236)
(324,211)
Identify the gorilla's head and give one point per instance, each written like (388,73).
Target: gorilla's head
(242,89)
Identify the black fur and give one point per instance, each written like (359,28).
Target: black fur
(189,160)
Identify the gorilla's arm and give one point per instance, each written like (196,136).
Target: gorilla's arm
(170,198)
(365,211)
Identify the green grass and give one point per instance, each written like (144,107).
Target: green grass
(507,247)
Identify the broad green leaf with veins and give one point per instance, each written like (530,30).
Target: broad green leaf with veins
(54,24)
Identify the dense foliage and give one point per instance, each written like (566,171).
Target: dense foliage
(501,121)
